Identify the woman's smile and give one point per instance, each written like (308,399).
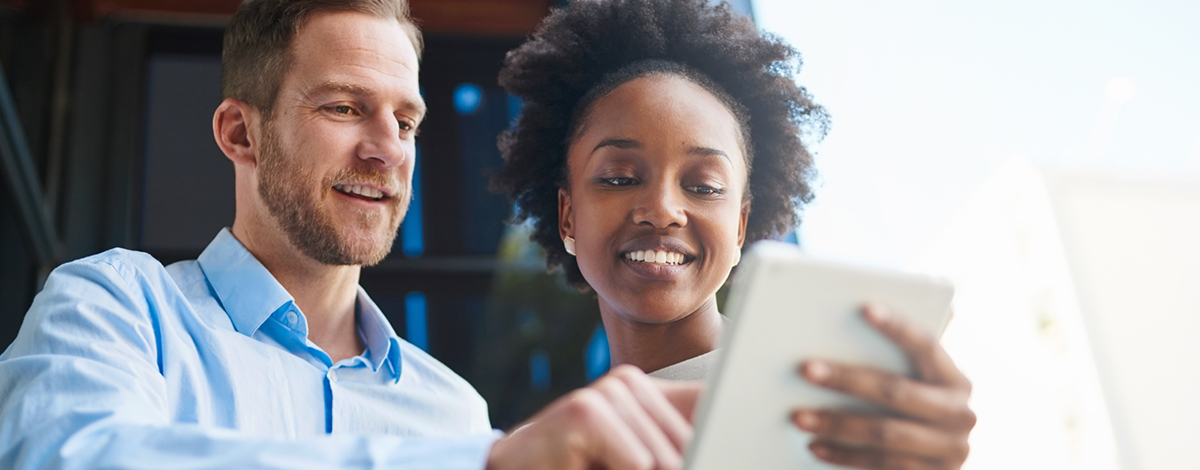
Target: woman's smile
(657,258)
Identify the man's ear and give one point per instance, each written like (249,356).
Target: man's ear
(743,219)
(566,217)
(231,128)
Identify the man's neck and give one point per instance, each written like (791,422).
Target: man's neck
(326,294)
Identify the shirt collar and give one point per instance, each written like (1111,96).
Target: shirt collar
(247,291)
(383,346)
(250,295)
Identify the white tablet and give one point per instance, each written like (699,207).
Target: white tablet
(786,307)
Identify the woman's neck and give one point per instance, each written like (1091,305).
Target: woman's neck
(653,346)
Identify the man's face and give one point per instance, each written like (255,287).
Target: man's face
(336,155)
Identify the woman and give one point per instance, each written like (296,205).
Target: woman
(655,140)
(733,80)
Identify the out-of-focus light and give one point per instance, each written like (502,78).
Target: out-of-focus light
(467,98)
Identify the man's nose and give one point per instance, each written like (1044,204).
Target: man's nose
(383,142)
(661,206)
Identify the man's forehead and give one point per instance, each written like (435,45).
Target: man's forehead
(355,53)
(355,31)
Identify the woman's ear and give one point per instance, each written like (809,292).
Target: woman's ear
(743,219)
(566,217)
(231,128)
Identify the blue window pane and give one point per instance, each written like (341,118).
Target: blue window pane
(467,98)
(596,356)
(792,237)
(539,369)
(415,323)
(412,236)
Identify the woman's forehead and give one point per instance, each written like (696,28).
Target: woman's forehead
(662,110)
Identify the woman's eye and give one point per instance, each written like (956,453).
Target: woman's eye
(707,190)
(618,181)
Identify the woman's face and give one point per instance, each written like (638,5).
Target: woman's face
(656,206)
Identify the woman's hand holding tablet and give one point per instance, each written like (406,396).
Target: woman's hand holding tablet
(828,363)
(929,420)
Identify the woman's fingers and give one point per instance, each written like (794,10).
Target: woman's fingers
(859,458)
(931,418)
(883,434)
(930,403)
(933,363)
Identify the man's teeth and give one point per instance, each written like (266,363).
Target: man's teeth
(364,191)
(652,256)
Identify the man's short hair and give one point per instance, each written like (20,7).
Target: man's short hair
(257,48)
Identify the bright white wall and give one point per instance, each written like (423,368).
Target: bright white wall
(928,98)
(937,107)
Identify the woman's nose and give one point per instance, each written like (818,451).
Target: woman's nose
(662,207)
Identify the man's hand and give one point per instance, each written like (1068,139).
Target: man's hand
(931,418)
(624,420)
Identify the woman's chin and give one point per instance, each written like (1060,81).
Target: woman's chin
(653,312)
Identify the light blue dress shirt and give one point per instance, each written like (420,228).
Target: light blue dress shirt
(122,363)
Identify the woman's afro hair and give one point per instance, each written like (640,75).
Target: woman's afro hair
(578,47)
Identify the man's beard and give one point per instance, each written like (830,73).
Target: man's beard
(296,207)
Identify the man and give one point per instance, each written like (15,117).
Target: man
(264,352)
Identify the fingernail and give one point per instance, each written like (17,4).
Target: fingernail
(817,371)
(821,451)
(876,313)
(807,420)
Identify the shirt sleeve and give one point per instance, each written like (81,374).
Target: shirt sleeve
(81,388)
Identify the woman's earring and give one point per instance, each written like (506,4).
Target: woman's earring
(569,244)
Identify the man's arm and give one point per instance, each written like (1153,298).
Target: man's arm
(81,387)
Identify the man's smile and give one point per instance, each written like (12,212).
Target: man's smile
(363,191)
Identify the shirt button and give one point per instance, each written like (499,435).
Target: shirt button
(292,318)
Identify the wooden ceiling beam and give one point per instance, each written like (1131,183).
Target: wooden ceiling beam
(476,17)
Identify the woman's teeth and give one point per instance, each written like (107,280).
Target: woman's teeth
(364,191)
(652,256)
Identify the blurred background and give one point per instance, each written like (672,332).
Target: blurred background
(1045,156)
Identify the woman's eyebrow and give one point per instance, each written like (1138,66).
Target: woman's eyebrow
(708,151)
(618,143)
(698,151)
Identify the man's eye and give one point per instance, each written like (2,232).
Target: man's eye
(343,110)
